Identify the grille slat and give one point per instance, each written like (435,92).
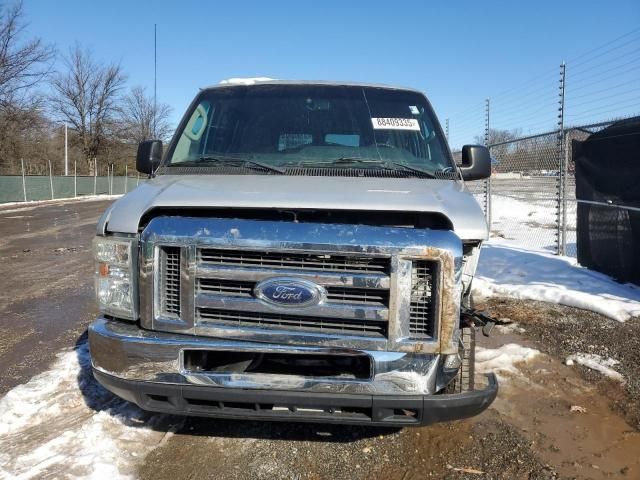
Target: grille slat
(170,278)
(303,261)
(310,324)
(421,315)
(334,294)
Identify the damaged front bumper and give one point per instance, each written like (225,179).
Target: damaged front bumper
(148,368)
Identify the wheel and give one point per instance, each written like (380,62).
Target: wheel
(464,379)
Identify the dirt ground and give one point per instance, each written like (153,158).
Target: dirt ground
(46,286)
(531,431)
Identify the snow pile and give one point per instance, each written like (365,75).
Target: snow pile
(508,271)
(63,424)
(597,363)
(245,81)
(503,359)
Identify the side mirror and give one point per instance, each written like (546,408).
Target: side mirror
(149,156)
(476,163)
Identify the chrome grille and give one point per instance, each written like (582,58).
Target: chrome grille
(421,314)
(301,261)
(292,322)
(357,291)
(380,285)
(170,280)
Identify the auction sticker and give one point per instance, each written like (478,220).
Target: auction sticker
(395,124)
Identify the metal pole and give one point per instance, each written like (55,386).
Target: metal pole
(487,195)
(111,181)
(95,175)
(51,179)
(126,178)
(137,178)
(24,185)
(75,178)
(561,230)
(66,153)
(155,76)
(565,170)
(446,129)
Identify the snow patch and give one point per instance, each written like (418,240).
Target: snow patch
(526,223)
(63,424)
(510,328)
(245,81)
(597,363)
(503,359)
(508,271)
(35,203)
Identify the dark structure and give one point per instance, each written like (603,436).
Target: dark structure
(608,192)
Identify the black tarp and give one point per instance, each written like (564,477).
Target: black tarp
(607,169)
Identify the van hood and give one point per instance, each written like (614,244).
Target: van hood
(326,193)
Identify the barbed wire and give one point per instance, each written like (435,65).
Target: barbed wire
(603,82)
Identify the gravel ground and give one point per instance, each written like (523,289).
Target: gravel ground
(562,331)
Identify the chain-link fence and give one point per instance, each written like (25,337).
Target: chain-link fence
(525,191)
(16,188)
(530,200)
(33,185)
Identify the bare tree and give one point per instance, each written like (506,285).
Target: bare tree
(86,96)
(499,136)
(141,119)
(22,64)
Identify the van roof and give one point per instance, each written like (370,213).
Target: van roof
(236,82)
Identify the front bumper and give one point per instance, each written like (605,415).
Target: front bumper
(145,367)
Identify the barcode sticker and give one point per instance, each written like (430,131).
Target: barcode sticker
(395,124)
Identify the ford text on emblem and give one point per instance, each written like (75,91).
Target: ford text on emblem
(289,292)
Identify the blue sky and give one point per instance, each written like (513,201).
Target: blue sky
(457,52)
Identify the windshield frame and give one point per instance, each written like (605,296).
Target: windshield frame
(166,165)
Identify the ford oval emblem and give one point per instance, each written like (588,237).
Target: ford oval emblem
(289,292)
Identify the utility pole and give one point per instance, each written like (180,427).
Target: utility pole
(66,152)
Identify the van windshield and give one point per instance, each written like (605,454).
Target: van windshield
(283,126)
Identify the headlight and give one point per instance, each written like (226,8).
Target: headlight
(115,276)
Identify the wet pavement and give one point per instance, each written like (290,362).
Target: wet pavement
(533,430)
(46,283)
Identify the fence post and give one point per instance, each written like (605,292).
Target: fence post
(561,215)
(51,179)
(95,175)
(75,178)
(24,184)
(565,171)
(487,194)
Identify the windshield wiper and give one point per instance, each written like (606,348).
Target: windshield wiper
(413,169)
(389,165)
(342,160)
(223,160)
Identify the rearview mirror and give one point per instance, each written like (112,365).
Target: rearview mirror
(476,163)
(149,156)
